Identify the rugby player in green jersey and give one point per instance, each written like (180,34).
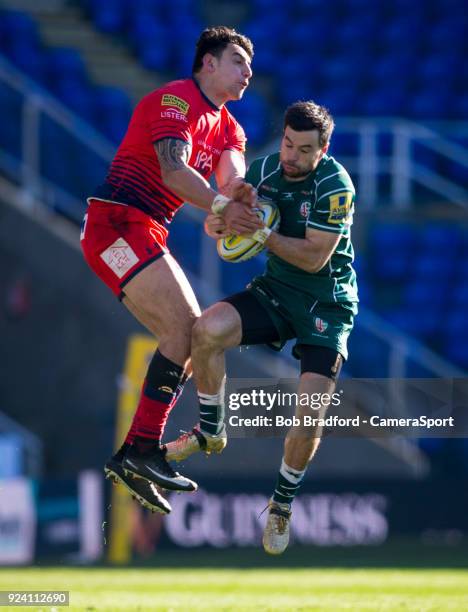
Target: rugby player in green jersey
(307,292)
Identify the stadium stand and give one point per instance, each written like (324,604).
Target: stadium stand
(303,48)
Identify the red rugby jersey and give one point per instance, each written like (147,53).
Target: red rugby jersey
(176,110)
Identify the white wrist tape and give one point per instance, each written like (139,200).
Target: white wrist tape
(219,204)
(261,235)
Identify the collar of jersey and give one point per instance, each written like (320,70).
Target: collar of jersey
(207,100)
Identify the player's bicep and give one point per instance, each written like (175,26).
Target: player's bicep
(173,154)
(231,167)
(323,243)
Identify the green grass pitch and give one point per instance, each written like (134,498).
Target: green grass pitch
(183,589)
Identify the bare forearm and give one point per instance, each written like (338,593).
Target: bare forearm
(299,252)
(189,185)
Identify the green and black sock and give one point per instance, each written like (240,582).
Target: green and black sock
(212,411)
(288,483)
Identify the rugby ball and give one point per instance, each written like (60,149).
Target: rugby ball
(241,248)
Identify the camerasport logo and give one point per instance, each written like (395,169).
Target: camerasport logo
(320,325)
(120,257)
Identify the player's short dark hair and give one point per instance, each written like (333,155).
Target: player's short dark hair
(303,116)
(214,40)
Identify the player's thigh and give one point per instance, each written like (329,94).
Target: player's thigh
(164,297)
(255,323)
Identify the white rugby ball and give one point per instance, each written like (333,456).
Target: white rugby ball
(241,248)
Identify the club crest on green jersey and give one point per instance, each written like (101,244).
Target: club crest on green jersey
(320,325)
(305,209)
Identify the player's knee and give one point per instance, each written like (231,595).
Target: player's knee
(210,330)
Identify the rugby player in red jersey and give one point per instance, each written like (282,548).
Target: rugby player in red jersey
(178,136)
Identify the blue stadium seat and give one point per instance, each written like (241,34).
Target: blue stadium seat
(138,7)
(17,26)
(109,15)
(448,33)
(455,337)
(387,101)
(432,267)
(113,111)
(429,103)
(423,294)
(459,296)
(316,30)
(77,96)
(356,33)
(151,41)
(391,248)
(343,72)
(253,114)
(422,323)
(55,153)
(265,60)
(368,356)
(341,100)
(11,107)
(27,56)
(403,31)
(441,239)
(460,109)
(343,143)
(438,68)
(386,239)
(64,63)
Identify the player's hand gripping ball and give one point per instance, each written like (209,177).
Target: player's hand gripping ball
(235,248)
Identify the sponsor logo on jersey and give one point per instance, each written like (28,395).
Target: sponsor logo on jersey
(173,114)
(305,209)
(120,257)
(268,188)
(320,325)
(204,162)
(170,100)
(340,207)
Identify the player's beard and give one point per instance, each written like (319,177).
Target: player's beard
(297,173)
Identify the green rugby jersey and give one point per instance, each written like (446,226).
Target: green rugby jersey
(323,201)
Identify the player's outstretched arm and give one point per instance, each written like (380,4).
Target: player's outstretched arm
(173,155)
(230,174)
